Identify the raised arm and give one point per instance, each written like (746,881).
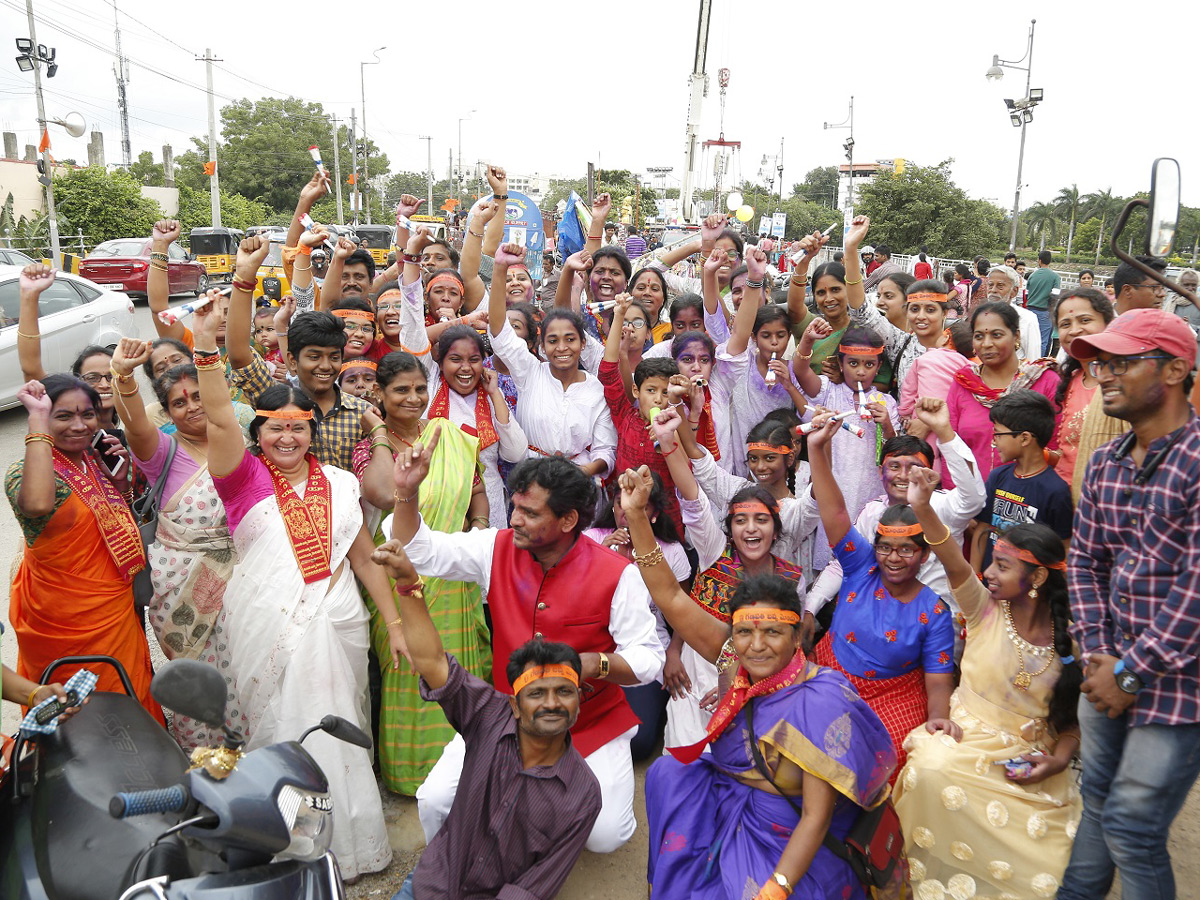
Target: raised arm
(666,427)
(810,381)
(706,635)
(752,299)
(810,245)
(576,263)
(425,649)
(158,287)
(331,289)
(921,485)
(225,445)
(410,469)
(139,430)
(302,272)
(612,343)
(35,278)
(856,296)
(708,284)
(378,488)
(600,208)
(240,325)
(830,501)
(472,251)
(493,234)
(317,187)
(36,495)
(506,255)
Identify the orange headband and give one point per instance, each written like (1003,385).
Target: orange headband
(926,295)
(750,506)
(354,314)
(444,278)
(1026,556)
(554,670)
(857,350)
(284,413)
(898,530)
(759,614)
(921,456)
(770,448)
(390,292)
(358,364)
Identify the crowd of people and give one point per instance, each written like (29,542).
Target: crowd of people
(879,539)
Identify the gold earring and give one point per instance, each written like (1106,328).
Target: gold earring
(1033,593)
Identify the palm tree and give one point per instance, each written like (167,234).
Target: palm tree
(1067,205)
(1106,206)
(1041,218)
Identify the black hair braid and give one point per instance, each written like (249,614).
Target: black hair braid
(791,479)
(1065,698)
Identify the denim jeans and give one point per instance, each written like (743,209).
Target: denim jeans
(1135,781)
(406,889)
(1046,326)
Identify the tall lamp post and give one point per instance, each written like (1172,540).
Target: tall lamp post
(458,175)
(848,146)
(32,56)
(362,86)
(1020,113)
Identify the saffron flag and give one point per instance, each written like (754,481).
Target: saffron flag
(210,168)
(45,142)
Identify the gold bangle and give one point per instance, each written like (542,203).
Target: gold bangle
(29,702)
(646,560)
(473,234)
(128,393)
(854,282)
(400,499)
(942,541)
(209,367)
(801,356)
(307,268)
(395,621)
(35,437)
(32,337)
(486,522)
(801,280)
(117,375)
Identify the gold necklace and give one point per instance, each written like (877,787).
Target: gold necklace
(1023,679)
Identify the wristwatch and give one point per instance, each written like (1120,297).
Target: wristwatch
(603,665)
(1126,680)
(782,881)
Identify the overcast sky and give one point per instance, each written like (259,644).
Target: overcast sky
(618,76)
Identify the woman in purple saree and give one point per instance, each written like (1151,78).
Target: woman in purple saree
(719,827)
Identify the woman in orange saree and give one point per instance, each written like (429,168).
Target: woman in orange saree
(73,592)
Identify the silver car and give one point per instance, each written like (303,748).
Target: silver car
(72,314)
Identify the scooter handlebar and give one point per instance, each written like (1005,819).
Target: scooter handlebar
(140,803)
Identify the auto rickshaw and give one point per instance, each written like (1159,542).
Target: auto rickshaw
(272,282)
(436,225)
(379,240)
(216,250)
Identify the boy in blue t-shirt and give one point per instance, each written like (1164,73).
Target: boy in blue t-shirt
(1024,489)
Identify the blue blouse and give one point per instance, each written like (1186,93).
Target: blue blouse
(876,636)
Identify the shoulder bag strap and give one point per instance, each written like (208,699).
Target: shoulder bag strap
(836,847)
(152,499)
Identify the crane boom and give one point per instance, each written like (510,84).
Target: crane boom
(699,87)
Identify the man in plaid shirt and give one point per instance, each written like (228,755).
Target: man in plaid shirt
(1134,577)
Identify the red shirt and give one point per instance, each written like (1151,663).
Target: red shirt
(635,444)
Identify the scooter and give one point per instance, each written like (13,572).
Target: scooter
(108,807)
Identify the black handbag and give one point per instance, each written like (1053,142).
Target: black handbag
(145,514)
(874,846)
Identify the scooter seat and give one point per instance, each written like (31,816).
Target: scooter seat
(110,745)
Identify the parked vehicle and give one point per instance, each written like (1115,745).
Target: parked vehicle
(216,250)
(14,258)
(125,262)
(272,280)
(73,313)
(107,806)
(379,240)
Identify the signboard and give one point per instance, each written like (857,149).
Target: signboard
(523,225)
(764,225)
(778,224)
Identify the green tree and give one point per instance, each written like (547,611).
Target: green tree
(1188,239)
(923,205)
(803,216)
(1104,206)
(1041,220)
(263,154)
(1069,204)
(104,205)
(820,185)
(195,211)
(1089,233)
(147,171)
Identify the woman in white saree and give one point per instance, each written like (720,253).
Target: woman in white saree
(294,621)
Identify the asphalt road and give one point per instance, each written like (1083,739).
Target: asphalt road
(617,876)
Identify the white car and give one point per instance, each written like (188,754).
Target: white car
(73,313)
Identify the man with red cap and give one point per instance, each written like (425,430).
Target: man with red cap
(1134,578)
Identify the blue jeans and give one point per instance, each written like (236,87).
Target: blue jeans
(1135,781)
(1046,326)
(406,889)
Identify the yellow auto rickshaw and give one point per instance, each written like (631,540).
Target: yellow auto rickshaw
(216,250)
(272,281)
(379,239)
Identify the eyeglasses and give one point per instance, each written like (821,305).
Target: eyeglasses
(1118,365)
(732,254)
(636,323)
(361,329)
(1152,286)
(95,378)
(883,551)
(1000,434)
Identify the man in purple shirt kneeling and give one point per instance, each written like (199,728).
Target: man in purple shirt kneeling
(526,800)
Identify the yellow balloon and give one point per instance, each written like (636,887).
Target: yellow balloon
(745,213)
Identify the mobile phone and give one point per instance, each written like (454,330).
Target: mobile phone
(112,462)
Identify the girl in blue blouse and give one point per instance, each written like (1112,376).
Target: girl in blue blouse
(891,636)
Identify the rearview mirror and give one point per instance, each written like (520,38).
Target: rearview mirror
(1163,215)
(192,688)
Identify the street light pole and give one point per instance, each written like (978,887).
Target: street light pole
(362,87)
(458,175)
(1023,113)
(52,216)
(848,146)
(428,139)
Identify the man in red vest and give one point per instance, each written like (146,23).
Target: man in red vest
(545,580)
